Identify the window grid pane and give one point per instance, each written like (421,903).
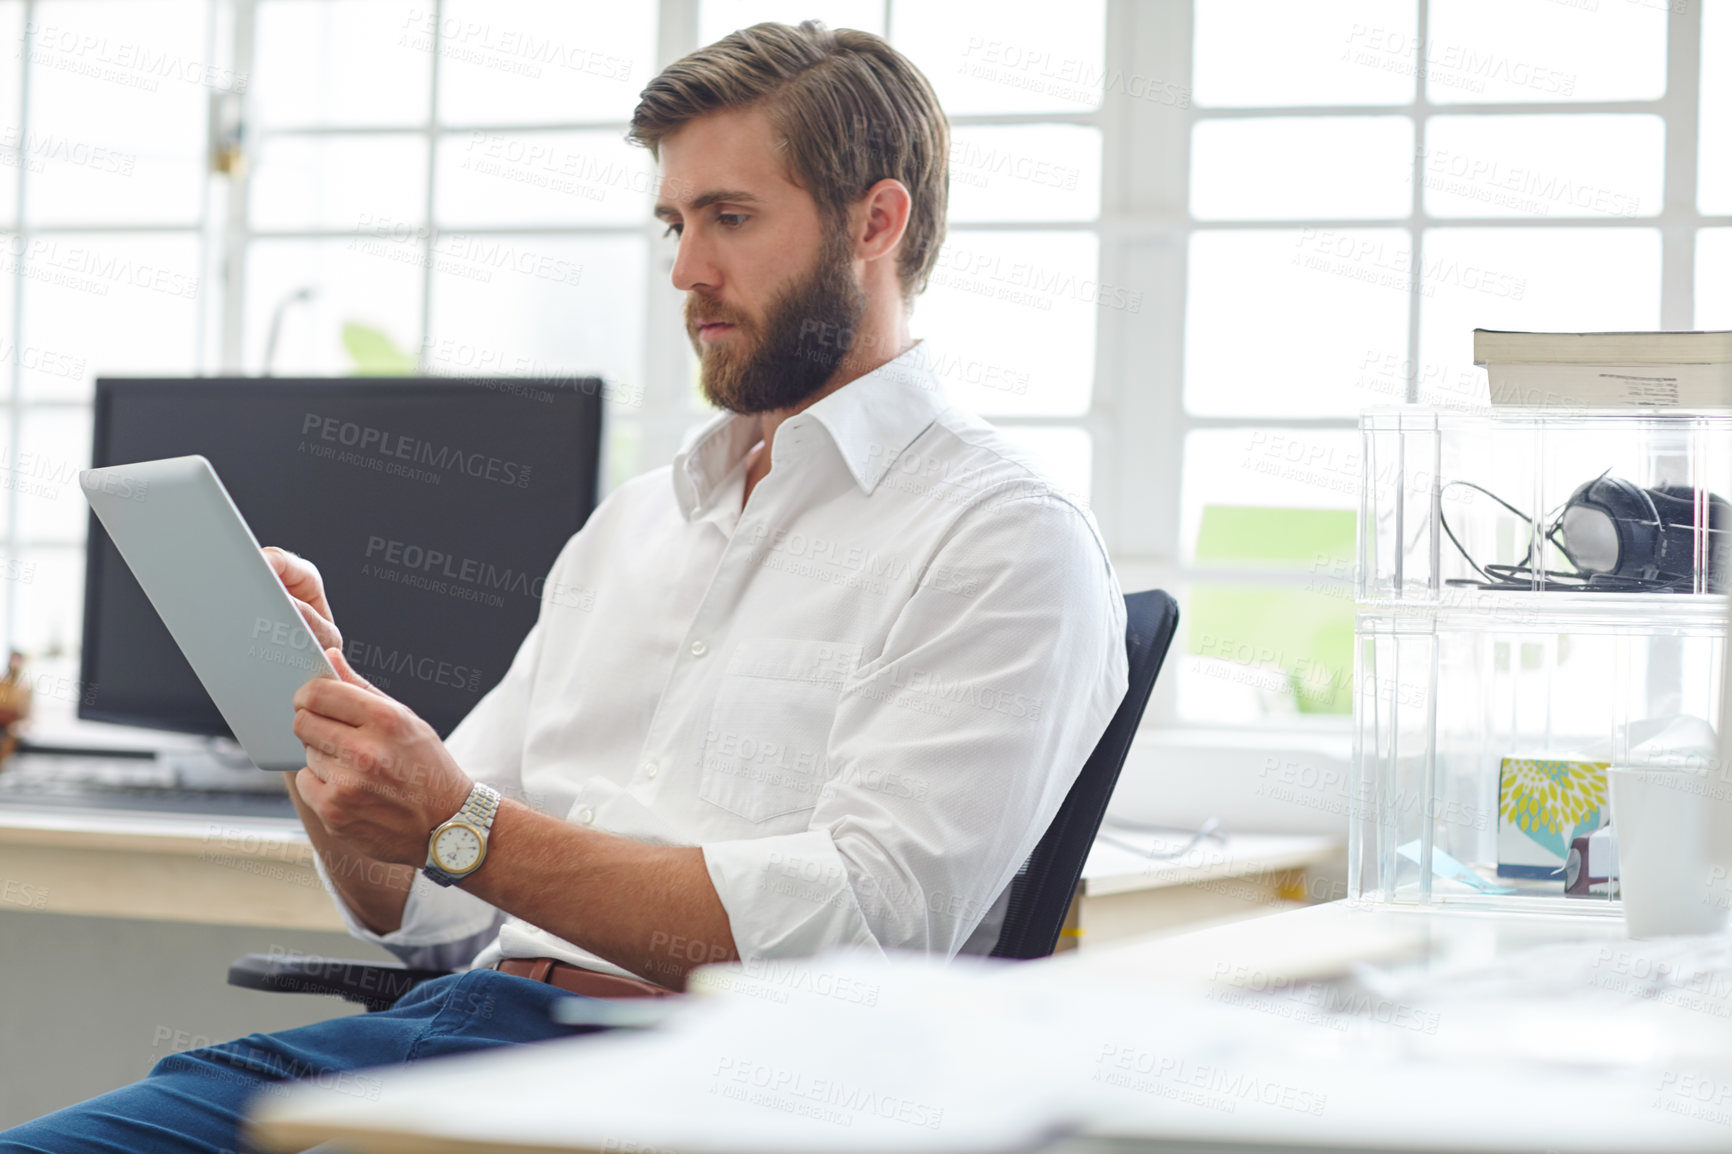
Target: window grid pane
(1555,165)
(1714,128)
(1274,53)
(1302,167)
(1538,51)
(1512,164)
(58,359)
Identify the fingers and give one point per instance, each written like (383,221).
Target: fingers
(330,772)
(340,663)
(341,701)
(300,577)
(312,778)
(317,782)
(321,734)
(340,763)
(323,631)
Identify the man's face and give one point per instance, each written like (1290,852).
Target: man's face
(772,296)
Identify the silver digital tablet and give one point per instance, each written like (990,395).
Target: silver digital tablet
(198,562)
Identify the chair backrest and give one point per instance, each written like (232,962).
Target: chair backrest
(1040,896)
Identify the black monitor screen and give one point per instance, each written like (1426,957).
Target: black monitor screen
(433,509)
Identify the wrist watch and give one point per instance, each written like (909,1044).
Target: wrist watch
(457,848)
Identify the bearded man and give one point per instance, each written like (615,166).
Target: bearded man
(830,676)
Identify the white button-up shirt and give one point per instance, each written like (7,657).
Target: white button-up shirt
(864,695)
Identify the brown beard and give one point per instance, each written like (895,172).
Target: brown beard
(808,328)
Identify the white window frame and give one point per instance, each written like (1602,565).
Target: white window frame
(1149,226)
(1136,419)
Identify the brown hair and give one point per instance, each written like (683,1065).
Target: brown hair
(850,110)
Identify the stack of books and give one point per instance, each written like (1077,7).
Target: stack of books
(1651,370)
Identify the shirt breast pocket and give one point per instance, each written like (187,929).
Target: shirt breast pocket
(764,753)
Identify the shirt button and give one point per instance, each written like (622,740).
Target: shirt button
(699,649)
(586,815)
(651,769)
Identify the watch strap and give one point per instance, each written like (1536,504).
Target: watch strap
(480,806)
(479,810)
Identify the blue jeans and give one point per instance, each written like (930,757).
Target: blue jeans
(195,1100)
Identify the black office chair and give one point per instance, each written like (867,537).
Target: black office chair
(1040,895)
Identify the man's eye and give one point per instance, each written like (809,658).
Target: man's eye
(731,219)
(673,230)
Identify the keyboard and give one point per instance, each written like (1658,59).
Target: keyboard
(114,783)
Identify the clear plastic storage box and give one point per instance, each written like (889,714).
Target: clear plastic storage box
(1539,595)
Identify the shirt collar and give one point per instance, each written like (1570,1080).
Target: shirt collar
(871,421)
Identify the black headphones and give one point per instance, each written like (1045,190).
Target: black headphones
(1621,538)
(1618,534)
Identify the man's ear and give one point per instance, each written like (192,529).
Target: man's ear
(881,217)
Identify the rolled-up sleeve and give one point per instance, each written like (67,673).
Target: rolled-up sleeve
(951,750)
(445,927)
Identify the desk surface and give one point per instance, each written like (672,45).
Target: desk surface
(1119,860)
(112,837)
(1464,1031)
(128,848)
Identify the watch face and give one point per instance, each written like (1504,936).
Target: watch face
(457,849)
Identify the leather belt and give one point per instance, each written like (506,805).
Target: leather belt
(576,979)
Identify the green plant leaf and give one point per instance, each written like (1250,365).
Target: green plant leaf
(375,354)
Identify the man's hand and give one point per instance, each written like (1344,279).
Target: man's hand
(301,578)
(377,776)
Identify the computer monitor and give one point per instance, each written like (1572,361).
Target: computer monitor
(433,508)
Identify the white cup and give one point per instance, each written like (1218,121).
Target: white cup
(1671,826)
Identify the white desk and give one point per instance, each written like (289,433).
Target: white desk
(259,871)
(152,864)
(1208,1041)
(1126,894)
(211,870)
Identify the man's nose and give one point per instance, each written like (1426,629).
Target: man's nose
(693,267)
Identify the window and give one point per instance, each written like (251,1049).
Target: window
(449,183)
(1369,182)
(1013,308)
(1187,243)
(103,215)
